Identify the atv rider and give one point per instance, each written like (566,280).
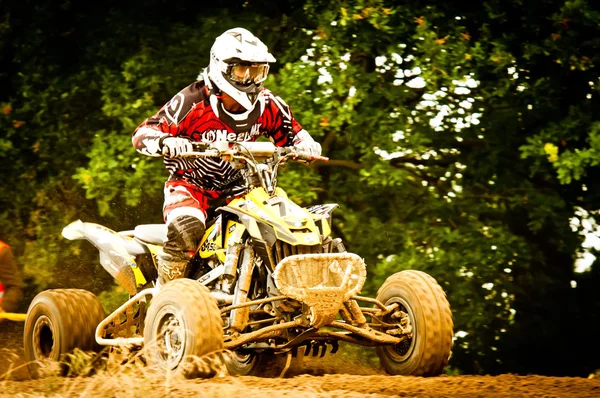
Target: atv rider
(227,103)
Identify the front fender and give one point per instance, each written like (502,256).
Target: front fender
(261,229)
(323,214)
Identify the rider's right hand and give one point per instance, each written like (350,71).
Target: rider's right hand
(175,146)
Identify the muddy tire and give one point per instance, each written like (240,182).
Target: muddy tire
(183,324)
(262,364)
(59,321)
(243,363)
(427,352)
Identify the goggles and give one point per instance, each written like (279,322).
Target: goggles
(247,73)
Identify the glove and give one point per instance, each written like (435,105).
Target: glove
(310,146)
(303,142)
(175,146)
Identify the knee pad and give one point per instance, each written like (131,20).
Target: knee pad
(184,233)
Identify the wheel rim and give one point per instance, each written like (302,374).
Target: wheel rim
(43,338)
(170,337)
(242,362)
(402,351)
(243,359)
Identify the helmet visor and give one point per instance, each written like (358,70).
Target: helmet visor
(247,73)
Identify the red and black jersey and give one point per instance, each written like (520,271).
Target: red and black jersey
(190,114)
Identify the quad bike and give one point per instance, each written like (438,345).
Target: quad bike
(267,282)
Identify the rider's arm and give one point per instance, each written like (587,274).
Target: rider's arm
(149,137)
(284,130)
(278,123)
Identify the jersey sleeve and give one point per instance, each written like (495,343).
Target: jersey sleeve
(167,122)
(279,123)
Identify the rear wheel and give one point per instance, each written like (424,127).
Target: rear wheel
(182,325)
(427,350)
(59,321)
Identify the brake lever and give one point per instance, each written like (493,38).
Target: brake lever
(306,157)
(321,158)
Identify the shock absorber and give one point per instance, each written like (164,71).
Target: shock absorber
(231,261)
(239,316)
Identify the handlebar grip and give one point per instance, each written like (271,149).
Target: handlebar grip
(303,156)
(308,157)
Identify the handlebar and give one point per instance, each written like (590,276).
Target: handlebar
(253,149)
(293,153)
(261,160)
(200,146)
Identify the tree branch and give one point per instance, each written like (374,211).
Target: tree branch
(338,162)
(399,162)
(328,141)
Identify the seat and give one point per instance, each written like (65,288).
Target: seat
(155,234)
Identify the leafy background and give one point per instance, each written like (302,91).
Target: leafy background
(464,141)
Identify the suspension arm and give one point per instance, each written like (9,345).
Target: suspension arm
(253,302)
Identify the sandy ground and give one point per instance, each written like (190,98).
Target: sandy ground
(339,375)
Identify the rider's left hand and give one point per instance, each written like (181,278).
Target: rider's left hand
(310,146)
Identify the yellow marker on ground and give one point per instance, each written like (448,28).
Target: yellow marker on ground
(13,317)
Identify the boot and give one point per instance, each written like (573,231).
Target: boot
(170,267)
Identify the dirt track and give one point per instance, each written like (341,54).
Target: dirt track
(337,375)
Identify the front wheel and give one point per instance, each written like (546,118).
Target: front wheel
(240,363)
(182,323)
(262,364)
(427,350)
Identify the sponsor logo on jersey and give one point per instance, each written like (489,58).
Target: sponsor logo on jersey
(174,108)
(224,135)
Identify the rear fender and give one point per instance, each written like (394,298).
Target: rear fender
(117,253)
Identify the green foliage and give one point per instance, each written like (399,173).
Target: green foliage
(462,138)
(426,122)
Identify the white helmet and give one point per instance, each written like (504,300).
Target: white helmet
(239,64)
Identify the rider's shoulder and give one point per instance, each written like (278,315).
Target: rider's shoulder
(272,98)
(191,95)
(197,89)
